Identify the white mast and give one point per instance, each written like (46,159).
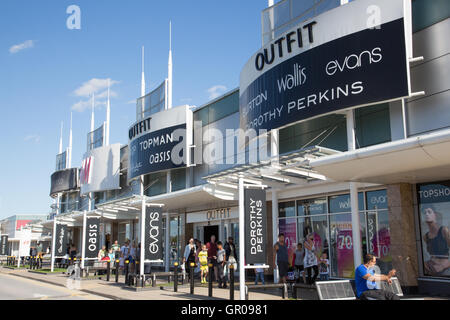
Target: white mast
(108,115)
(169,88)
(70,144)
(143,75)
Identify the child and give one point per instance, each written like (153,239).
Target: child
(221,260)
(259,272)
(203,259)
(323,267)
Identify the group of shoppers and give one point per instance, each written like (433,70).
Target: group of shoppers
(219,255)
(122,253)
(304,261)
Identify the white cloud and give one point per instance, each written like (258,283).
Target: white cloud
(97,86)
(33,137)
(93,86)
(216,91)
(21,46)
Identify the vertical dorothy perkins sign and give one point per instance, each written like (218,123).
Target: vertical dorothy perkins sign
(255,226)
(92,237)
(153,234)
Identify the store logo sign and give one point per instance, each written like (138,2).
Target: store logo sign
(154,232)
(153,241)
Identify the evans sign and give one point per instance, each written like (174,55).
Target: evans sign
(338,61)
(153,250)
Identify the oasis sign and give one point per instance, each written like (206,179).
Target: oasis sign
(337,61)
(153,250)
(4,246)
(92,239)
(160,142)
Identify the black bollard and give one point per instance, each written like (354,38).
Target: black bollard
(175,277)
(117,270)
(126,272)
(191,272)
(231,271)
(137,272)
(210,282)
(108,270)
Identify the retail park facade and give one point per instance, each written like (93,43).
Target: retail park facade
(352,119)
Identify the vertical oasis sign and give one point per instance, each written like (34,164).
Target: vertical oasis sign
(153,234)
(4,246)
(255,226)
(61,240)
(92,237)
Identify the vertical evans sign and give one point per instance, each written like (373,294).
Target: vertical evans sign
(255,226)
(153,234)
(61,240)
(4,246)
(92,237)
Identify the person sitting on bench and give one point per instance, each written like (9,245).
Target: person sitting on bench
(365,281)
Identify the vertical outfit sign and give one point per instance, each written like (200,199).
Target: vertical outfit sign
(255,226)
(61,240)
(153,234)
(4,246)
(92,237)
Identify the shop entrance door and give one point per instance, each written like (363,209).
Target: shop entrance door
(208,231)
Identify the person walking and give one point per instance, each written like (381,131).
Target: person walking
(221,261)
(297,262)
(365,276)
(324,267)
(282,257)
(310,261)
(189,255)
(231,256)
(212,255)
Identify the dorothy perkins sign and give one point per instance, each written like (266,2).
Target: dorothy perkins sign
(338,60)
(255,226)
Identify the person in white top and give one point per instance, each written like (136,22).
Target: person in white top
(310,261)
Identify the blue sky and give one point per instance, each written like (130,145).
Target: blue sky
(46,71)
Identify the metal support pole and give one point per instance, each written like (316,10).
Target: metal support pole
(241,240)
(126,271)
(231,271)
(108,270)
(175,277)
(117,270)
(210,282)
(142,258)
(83,241)
(52,265)
(191,272)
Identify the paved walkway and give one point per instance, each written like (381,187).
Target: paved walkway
(118,291)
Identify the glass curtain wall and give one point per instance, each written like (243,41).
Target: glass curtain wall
(328,218)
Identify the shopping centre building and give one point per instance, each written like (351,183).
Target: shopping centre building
(350,108)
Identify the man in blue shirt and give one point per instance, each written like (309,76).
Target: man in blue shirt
(365,274)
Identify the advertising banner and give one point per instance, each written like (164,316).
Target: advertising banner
(25,242)
(64,180)
(61,240)
(335,61)
(153,244)
(434,206)
(154,151)
(255,226)
(4,247)
(92,237)
(100,170)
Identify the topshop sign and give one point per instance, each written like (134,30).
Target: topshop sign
(332,63)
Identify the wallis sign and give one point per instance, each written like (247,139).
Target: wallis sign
(339,60)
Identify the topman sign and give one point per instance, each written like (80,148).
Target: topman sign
(352,56)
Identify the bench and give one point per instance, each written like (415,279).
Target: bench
(283,286)
(96,267)
(335,290)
